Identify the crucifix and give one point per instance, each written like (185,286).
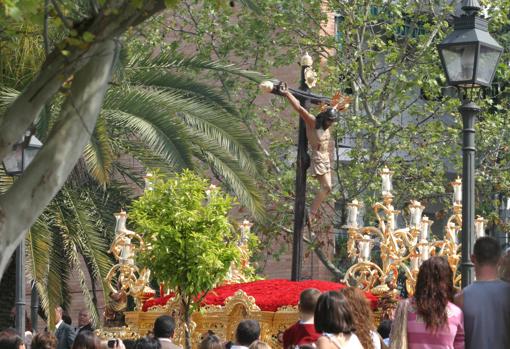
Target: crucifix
(313,130)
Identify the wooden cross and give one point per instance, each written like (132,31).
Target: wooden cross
(306,99)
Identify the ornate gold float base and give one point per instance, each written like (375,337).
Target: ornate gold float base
(222,320)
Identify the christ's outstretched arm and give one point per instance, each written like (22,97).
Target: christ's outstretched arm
(308,118)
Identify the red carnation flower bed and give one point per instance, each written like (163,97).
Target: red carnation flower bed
(269,294)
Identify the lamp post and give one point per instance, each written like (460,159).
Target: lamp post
(15,163)
(469,56)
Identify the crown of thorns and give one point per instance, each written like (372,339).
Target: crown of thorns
(338,102)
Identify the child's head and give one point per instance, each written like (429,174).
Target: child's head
(308,301)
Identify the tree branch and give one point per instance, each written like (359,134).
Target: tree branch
(67,22)
(26,198)
(58,67)
(46,41)
(324,259)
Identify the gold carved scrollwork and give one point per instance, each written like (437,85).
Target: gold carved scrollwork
(222,320)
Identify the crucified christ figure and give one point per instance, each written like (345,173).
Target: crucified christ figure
(317,132)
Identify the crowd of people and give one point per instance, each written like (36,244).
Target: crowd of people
(436,317)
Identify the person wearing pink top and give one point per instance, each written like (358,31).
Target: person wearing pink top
(429,320)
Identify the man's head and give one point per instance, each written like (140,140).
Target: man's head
(308,301)
(486,252)
(58,314)
(247,332)
(326,118)
(9,339)
(164,327)
(83,318)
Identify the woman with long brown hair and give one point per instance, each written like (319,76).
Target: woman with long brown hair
(363,318)
(333,318)
(430,319)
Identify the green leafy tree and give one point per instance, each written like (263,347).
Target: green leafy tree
(384,55)
(191,243)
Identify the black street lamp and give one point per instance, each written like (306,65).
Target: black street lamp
(15,163)
(469,56)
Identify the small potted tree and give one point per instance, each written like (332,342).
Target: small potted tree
(190,241)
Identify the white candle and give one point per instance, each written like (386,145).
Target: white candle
(416,211)
(457,191)
(125,251)
(245,230)
(386,175)
(365,248)
(424,252)
(117,219)
(451,232)
(425,228)
(352,214)
(479,227)
(306,60)
(121,223)
(209,191)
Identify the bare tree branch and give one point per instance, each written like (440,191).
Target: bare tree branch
(324,259)
(67,22)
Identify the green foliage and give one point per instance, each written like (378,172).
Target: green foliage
(191,243)
(384,55)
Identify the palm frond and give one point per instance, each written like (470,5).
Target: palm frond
(163,79)
(139,151)
(225,131)
(86,233)
(171,60)
(74,258)
(5,181)
(244,187)
(204,117)
(216,131)
(57,284)
(98,154)
(7,96)
(139,112)
(229,170)
(38,247)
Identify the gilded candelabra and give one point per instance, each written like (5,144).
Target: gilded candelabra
(125,278)
(401,249)
(129,279)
